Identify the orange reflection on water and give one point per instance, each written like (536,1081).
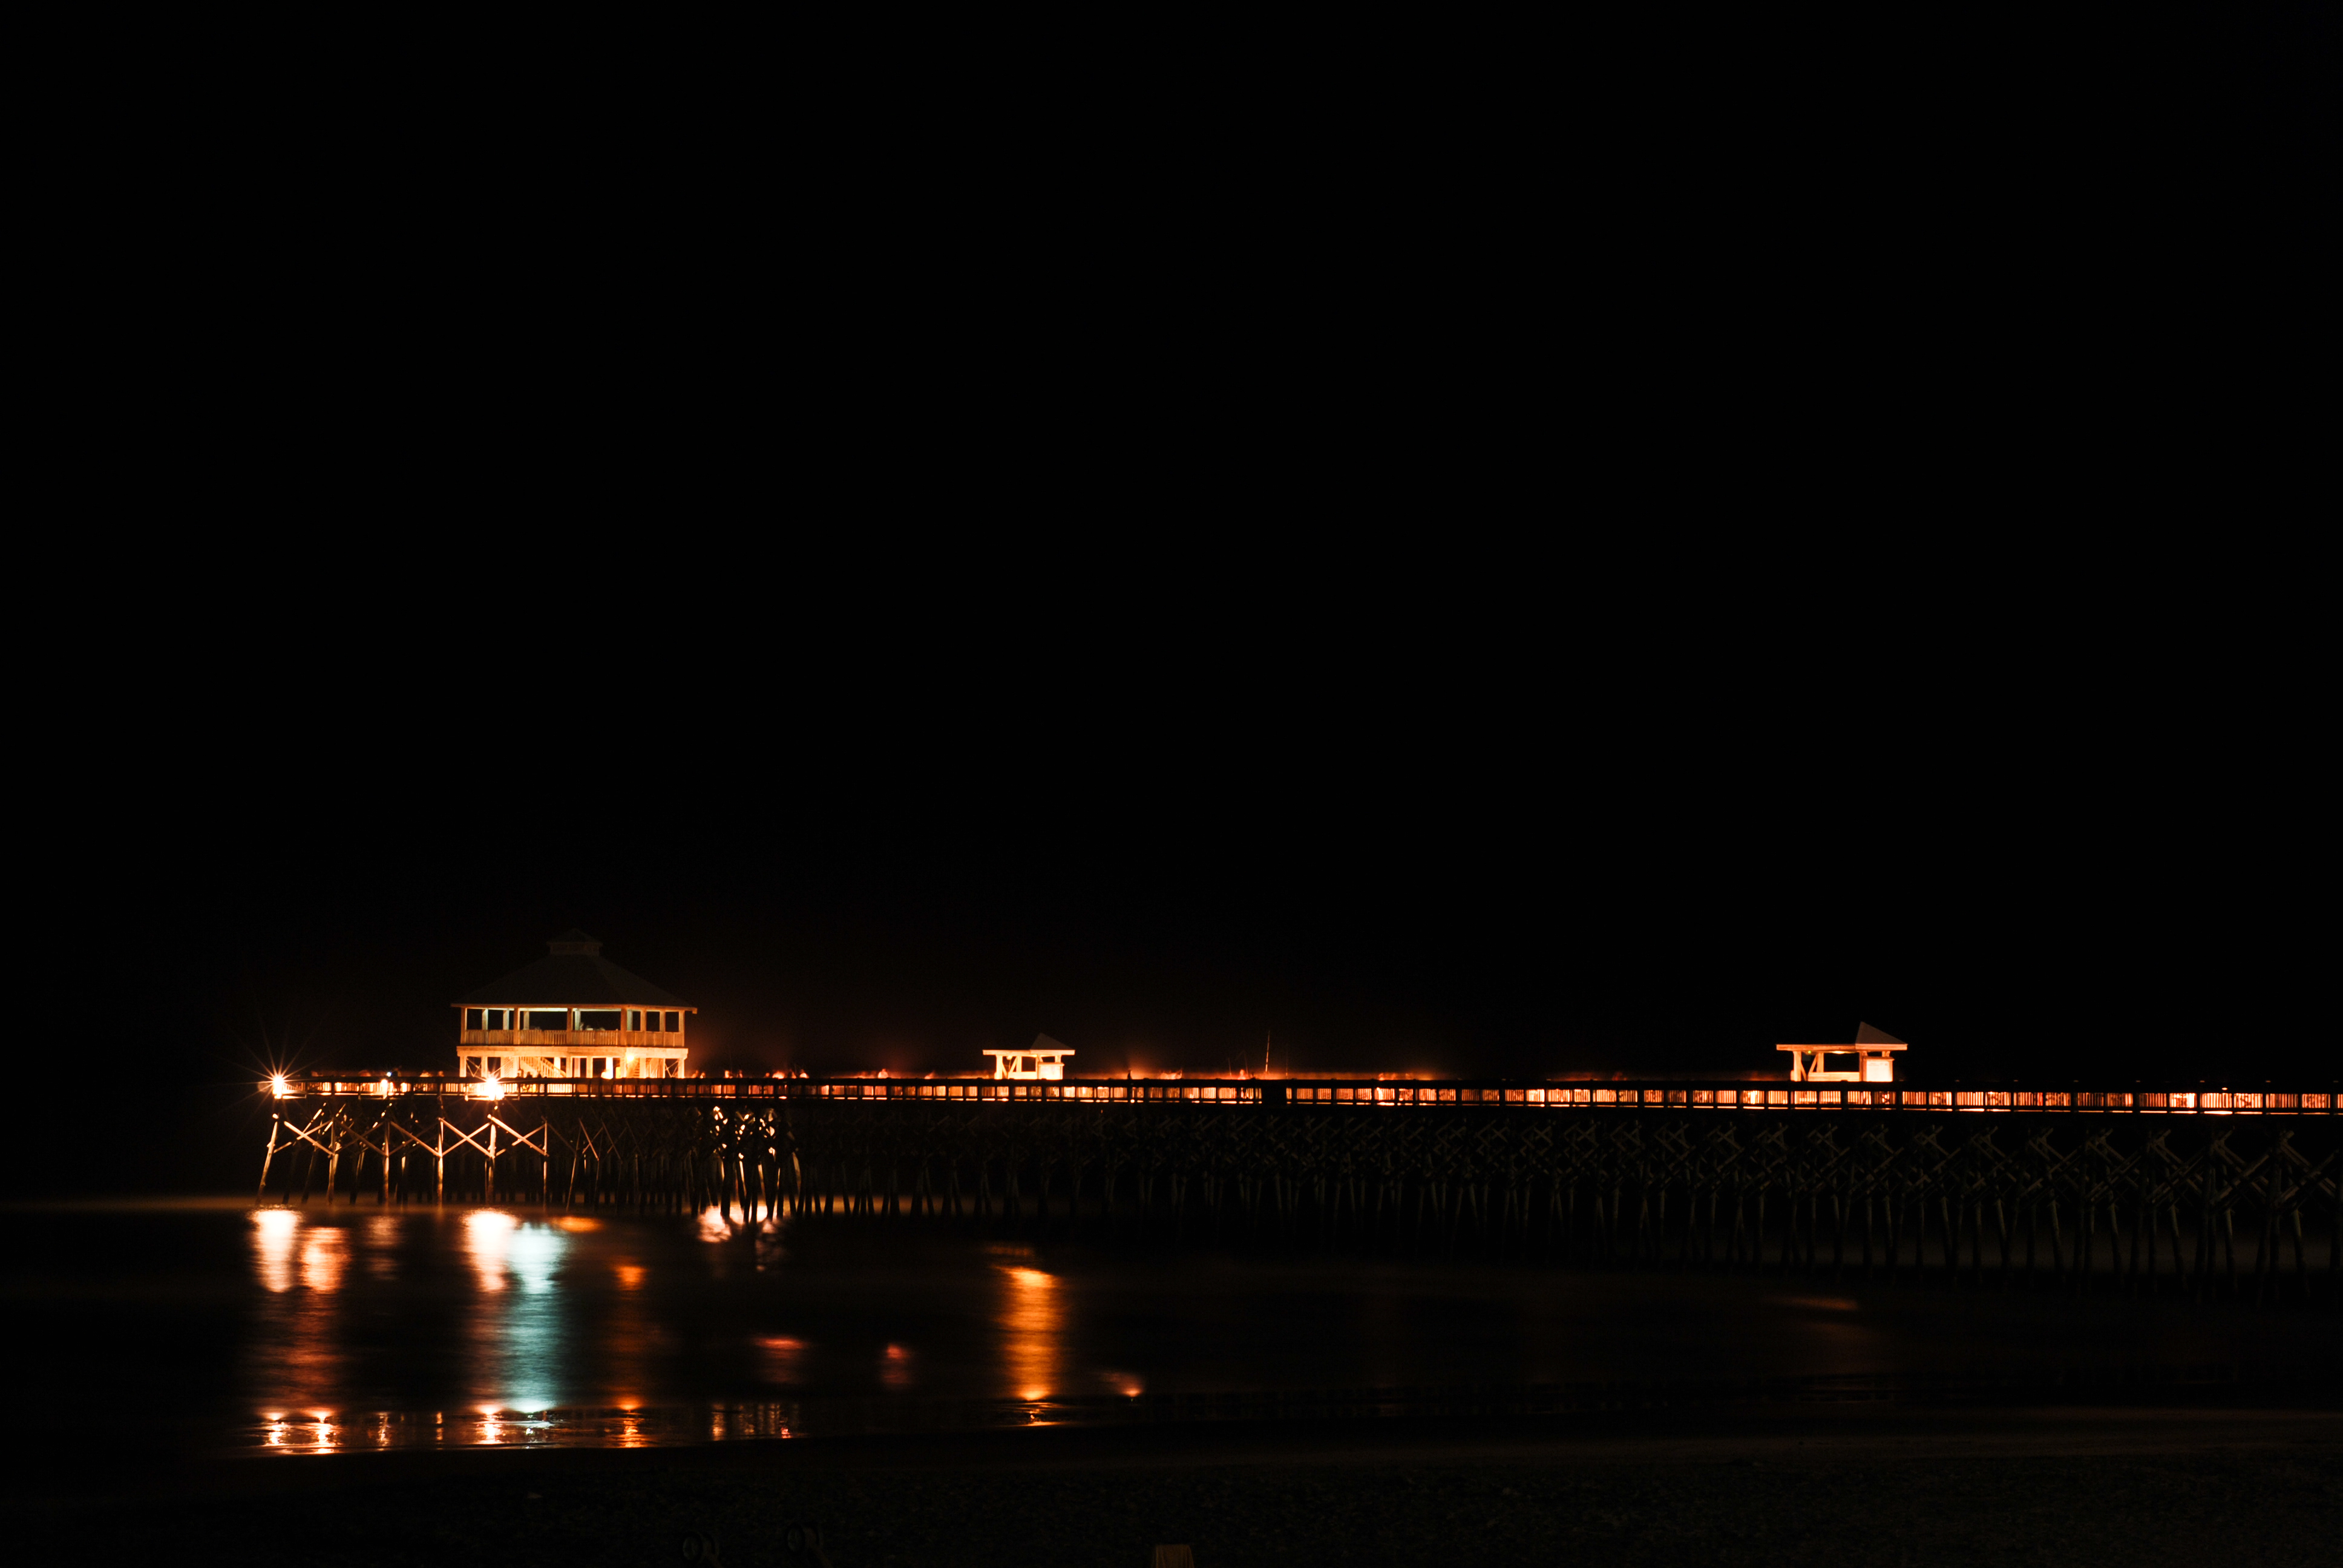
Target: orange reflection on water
(895,1369)
(322,1258)
(577,1224)
(629,1342)
(381,1247)
(273,1232)
(1031,1320)
(487,1237)
(297,1358)
(782,1358)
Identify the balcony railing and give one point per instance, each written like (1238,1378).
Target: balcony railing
(570,1042)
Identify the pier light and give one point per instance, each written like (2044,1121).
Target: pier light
(277,1085)
(489,1088)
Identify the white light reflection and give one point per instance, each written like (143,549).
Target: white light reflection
(272,1243)
(532,1255)
(487,1235)
(518,1344)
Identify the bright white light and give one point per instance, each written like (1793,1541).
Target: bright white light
(489,1088)
(533,1254)
(277,1084)
(488,1236)
(273,1242)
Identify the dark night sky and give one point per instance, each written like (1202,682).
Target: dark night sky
(1547,601)
(1522,836)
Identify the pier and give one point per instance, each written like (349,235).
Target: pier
(2200,1191)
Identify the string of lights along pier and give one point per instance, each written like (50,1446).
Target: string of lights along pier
(572,1088)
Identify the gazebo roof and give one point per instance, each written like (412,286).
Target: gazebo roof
(572,973)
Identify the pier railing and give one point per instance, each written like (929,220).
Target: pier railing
(1413,1094)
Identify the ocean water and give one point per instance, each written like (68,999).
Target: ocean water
(213,1324)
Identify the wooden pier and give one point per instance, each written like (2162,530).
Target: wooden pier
(2197,1191)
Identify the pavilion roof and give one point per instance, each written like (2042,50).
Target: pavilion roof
(573,973)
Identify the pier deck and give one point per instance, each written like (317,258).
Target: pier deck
(2197,1191)
(1409,1094)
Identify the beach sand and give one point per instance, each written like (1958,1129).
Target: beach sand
(1824,1484)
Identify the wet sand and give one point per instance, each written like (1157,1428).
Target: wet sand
(1860,1484)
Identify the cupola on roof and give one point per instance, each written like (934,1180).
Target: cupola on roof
(574,973)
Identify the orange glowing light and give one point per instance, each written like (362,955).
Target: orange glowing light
(784,1358)
(323,1259)
(1032,1321)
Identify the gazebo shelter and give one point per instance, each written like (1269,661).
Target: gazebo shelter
(572,1014)
(1044,1058)
(1870,1060)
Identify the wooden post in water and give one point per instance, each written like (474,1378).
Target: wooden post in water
(261,1194)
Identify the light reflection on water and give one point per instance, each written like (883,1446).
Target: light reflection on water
(1032,1320)
(323,1259)
(356,1328)
(486,1233)
(275,1232)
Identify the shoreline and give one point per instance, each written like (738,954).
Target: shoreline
(1915,1485)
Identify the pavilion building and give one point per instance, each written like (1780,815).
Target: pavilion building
(572,1014)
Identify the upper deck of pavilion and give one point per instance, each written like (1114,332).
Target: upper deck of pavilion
(572,1014)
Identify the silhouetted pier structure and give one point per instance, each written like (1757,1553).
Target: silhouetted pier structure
(2199,1190)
